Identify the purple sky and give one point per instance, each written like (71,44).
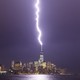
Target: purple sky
(60,25)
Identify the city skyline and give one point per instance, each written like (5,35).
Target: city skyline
(40,66)
(59,22)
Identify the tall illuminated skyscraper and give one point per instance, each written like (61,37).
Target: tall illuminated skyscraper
(41,58)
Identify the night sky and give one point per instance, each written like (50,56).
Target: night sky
(60,25)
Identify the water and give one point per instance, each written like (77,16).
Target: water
(39,77)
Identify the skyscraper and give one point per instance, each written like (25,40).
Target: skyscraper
(41,58)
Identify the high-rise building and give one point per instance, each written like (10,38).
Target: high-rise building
(36,65)
(16,65)
(41,59)
(43,64)
(12,64)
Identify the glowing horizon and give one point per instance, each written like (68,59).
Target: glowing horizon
(37,22)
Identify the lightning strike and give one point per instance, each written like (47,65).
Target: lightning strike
(37,22)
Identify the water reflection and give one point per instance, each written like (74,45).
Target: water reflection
(34,77)
(40,77)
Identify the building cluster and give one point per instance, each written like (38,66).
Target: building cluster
(37,67)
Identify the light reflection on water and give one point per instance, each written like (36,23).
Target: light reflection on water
(33,77)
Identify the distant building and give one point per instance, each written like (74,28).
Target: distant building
(43,64)
(12,64)
(2,70)
(41,59)
(36,65)
(16,67)
(49,65)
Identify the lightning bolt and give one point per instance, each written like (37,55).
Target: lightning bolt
(37,21)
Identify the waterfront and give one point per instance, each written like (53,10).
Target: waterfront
(39,77)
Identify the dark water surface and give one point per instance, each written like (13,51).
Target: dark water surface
(39,77)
